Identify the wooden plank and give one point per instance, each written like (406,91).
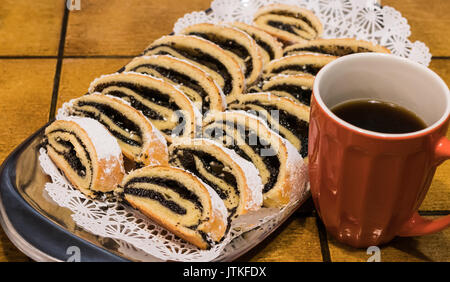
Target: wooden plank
(435,247)
(123,27)
(438,197)
(30,28)
(429,21)
(77,74)
(296,240)
(26,90)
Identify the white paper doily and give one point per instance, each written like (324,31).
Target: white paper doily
(136,234)
(360,19)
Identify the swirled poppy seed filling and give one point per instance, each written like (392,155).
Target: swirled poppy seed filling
(295,15)
(169,184)
(266,47)
(154,195)
(229,45)
(117,118)
(283,26)
(306,68)
(300,93)
(70,155)
(175,76)
(196,55)
(211,164)
(331,50)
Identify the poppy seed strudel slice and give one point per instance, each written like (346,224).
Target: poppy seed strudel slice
(270,48)
(87,154)
(297,64)
(280,166)
(172,112)
(284,116)
(297,87)
(335,47)
(195,83)
(139,140)
(212,59)
(236,43)
(178,201)
(236,181)
(288,23)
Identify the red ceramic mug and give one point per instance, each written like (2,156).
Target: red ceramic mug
(368,186)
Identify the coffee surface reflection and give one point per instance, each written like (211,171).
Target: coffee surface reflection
(379,116)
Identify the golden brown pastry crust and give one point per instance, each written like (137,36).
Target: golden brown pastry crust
(275,12)
(334,47)
(215,225)
(107,173)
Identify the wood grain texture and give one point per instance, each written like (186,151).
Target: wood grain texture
(26,89)
(296,240)
(438,196)
(435,247)
(30,28)
(429,21)
(77,75)
(115,27)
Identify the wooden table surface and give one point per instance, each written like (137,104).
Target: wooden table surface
(49,55)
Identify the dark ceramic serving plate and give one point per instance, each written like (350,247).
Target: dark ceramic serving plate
(45,231)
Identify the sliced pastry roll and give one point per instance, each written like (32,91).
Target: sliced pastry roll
(284,116)
(195,83)
(235,179)
(334,47)
(212,59)
(270,48)
(87,154)
(297,87)
(280,166)
(288,23)
(139,140)
(236,43)
(297,64)
(178,201)
(163,104)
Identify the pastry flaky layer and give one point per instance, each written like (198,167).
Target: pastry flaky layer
(236,43)
(139,140)
(284,116)
(190,79)
(236,180)
(280,166)
(178,201)
(209,57)
(290,24)
(335,47)
(168,109)
(270,47)
(87,154)
(297,64)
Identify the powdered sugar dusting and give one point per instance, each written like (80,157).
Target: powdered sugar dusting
(253,179)
(105,144)
(295,167)
(251,174)
(217,203)
(297,170)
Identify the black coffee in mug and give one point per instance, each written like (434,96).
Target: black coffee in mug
(379,116)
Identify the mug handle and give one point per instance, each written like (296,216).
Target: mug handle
(418,225)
